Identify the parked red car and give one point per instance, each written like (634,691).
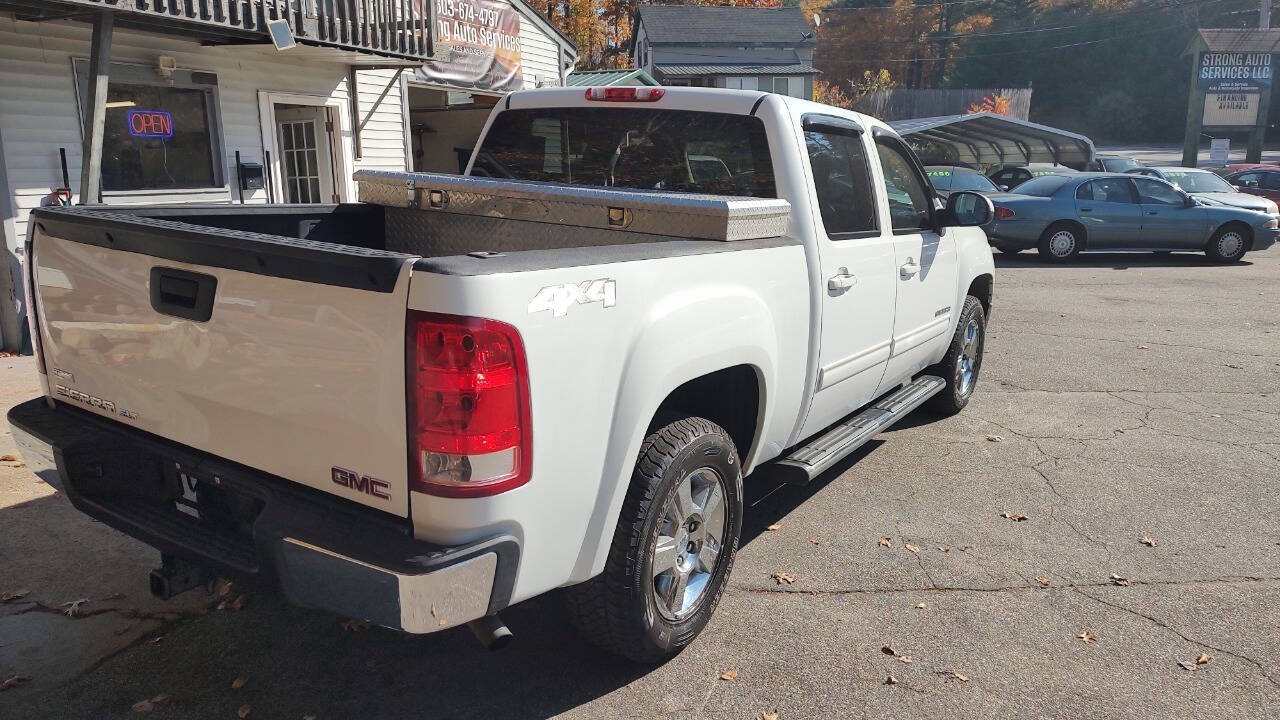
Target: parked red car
(1256,179)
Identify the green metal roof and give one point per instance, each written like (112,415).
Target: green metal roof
(621,76)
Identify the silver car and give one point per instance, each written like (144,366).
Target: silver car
(1205,185)
(1062,215)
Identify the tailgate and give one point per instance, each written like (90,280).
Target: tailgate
(283,355)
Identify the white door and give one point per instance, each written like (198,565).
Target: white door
(926,272)
(858,272)
(306,155)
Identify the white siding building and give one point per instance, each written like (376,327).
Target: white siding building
(287,112)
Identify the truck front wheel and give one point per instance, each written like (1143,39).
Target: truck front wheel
(963,361)
(673,548)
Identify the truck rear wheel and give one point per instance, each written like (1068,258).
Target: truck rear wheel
(963,360)
(673,547)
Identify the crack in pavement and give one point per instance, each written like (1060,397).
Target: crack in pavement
(1225,580)
(1152,342)
(1161,624)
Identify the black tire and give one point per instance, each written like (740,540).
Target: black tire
(617,610)
(952,398)
(1050,241)
(1229,243)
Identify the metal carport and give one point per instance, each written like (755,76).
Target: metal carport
(987,138)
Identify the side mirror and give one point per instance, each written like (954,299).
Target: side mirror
(1236,188)
(1003,188)
(1188,201)
(966,208)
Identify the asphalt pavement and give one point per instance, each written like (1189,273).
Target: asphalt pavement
(1101,517)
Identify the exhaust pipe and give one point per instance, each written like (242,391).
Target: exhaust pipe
(174,577)
(491,632)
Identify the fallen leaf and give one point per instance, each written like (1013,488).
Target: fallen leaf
(1233,366)
(1148,541)
(12,682)
(888,650)
(1216,415)
(913,549)
(442,622)
(156,640)
(222,588)
(814,540)
(143,706)
(244,711)
(960,676)
(354,625)
(8,457)
(944,548)
(1186,665)
(1086,637)
(1121,581)
(995,438)
(763,716)
(1144,347)
(886,541)
(920,606)
(238,604)
(239,682)
(73,607)
(781,577)
(773,527)
(433,609)
(10,596)
(1012,516)
(891,680)
(1204,659)
(1042,580)
(905,659)
(729,675)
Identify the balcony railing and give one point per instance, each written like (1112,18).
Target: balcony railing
(393,28)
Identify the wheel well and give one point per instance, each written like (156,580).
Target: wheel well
(729,398)
(981,288)
(1074,225)
(1248,231)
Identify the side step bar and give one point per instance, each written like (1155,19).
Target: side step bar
(806,462)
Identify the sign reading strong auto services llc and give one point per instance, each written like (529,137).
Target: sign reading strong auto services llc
(1234,72)
(477,46)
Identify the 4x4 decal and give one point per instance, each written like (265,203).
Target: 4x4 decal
(559,298)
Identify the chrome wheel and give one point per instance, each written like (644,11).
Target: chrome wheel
(1230,243)
(689,538)
(967,359)
(1062,243)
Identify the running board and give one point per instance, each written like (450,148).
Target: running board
(806,462)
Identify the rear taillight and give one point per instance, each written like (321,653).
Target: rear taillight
(1003,213)
(625,94)
(469,416)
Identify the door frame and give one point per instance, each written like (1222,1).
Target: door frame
(343,163)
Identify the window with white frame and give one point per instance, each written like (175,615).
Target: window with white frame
(791,85)
(742,83)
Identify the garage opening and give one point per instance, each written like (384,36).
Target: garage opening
(444,126)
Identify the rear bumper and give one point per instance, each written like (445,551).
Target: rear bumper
(324,552)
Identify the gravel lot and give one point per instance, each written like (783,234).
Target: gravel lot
(1123,397)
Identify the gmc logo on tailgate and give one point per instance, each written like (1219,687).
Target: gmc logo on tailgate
(361,483)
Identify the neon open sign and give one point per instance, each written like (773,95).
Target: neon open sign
(150,124)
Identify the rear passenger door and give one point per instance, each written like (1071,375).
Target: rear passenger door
(927,269)
(858,271)
(1109,210)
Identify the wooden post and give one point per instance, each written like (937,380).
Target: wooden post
(1195,113)
(1253,153)
(95,111)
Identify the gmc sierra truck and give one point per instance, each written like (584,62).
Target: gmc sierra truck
(551,372)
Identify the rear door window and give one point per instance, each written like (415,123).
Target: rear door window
(842,182)
(670,150)
(1114,190)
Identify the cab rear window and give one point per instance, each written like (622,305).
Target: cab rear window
(671,150)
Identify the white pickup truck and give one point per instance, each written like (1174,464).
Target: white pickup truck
(554,372)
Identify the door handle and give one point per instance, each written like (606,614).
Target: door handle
(1086,209)
(908,269)
(1152,212)
(841,282)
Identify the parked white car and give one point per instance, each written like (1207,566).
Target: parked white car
(464,392)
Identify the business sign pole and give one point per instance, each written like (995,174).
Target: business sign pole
(1229,91)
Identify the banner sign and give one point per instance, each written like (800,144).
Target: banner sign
(150,124)
(477,46)
(1234,72)
(1231,109)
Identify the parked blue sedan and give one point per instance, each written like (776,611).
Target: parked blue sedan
(1062,215)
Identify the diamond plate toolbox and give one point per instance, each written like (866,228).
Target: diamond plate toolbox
(652,212)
